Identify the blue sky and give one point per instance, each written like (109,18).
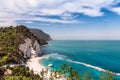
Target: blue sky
(65,19)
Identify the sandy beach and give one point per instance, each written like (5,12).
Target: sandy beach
(34,64)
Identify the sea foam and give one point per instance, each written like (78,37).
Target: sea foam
(88,65)
(62,57)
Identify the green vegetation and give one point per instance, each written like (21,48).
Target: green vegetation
(106,76)
(71,74)
(10,38)
(20,73)
(66,71)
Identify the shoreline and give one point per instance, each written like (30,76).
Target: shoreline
(33,64)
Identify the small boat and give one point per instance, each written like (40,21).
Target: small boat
(50,65)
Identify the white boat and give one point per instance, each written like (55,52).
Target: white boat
(50,65)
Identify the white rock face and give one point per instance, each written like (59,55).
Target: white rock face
(30,48)
(37,46)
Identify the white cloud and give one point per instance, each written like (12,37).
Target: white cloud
(51,11)
(12,10)
(6,23)
(28,22)
(117,10)
(51,20)
(28,19)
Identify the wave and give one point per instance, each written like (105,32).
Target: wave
(62,57)
(53,55)
(87,65)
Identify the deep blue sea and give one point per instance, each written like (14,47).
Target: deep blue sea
(84,56)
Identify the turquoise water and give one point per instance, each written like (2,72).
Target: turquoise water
(85,56)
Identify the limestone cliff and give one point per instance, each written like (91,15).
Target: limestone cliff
(28,46)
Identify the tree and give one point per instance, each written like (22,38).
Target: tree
(69,73)
(87,76)
(106,76)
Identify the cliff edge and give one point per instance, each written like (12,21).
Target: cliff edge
(17,44)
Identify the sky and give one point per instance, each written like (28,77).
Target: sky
(65,19)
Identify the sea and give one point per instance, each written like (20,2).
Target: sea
(85,56)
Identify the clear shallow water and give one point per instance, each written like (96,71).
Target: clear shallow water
(85,56)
